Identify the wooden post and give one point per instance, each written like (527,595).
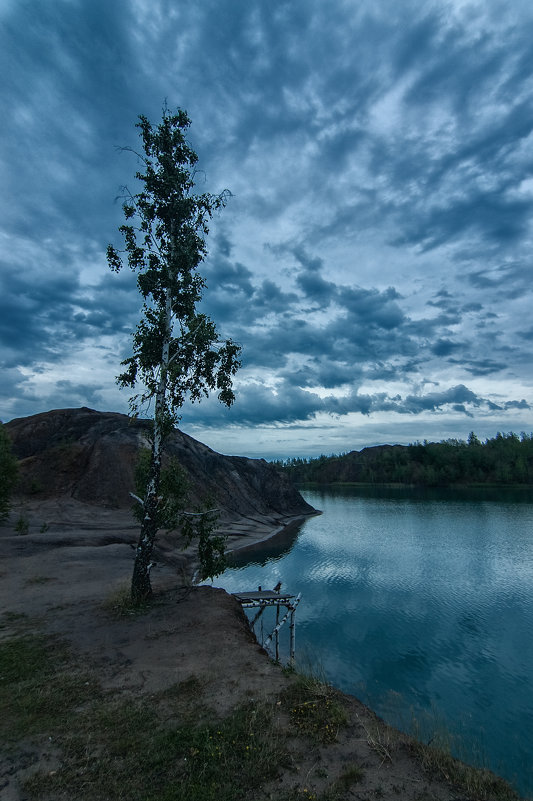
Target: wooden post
(291,629)
(277,633)
(262,599)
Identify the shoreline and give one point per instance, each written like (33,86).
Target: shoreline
(246,542)
(68,583)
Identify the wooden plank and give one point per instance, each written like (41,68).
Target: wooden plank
(261,595)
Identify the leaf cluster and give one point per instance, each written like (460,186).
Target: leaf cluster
(175,511)
(164,243)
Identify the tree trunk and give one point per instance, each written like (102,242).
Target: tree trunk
(141,588)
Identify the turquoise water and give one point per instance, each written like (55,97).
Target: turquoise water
(422,606)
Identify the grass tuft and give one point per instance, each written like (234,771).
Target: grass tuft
(120,604)
(478,783)
(315,708)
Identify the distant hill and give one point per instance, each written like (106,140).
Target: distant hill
(505,459)
(90,456)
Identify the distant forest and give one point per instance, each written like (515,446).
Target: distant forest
(505,459)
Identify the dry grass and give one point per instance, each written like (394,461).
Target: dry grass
(315,708)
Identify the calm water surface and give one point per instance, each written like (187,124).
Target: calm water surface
(423,608)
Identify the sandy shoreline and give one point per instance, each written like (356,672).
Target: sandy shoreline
(54,580)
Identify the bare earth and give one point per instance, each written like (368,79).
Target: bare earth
(61,575)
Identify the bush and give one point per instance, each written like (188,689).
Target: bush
(8,473)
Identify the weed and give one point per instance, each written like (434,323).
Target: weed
(315,708)
(130,748)
(24,658)
(44,528)
(22,525)
(349,777)
(479,783)
(34,692)
(380,737)
(120,750)
(17,619)
(433,744)
(191,688)
(120,604)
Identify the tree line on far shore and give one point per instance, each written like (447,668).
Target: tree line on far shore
(506,459)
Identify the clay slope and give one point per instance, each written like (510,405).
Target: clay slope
(90,456)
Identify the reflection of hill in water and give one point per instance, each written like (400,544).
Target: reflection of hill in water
(384,491)
(272,549)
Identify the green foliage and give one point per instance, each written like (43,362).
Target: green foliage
(22,525)
(164,244)
(8,473)
(37,686)
(503,460)
(174,512)
(177,355)
(315,708)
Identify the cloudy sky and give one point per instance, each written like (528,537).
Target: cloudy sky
(375,260)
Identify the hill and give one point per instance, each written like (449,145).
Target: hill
(503,460)
(90,456)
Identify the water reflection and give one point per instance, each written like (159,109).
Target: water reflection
(420,605)
(273,549)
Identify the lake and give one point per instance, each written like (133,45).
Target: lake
(421,605)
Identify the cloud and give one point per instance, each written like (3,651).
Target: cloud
(458,395)
(379,235)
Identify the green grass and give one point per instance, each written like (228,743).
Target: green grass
(315,708)
(37,688)
(38,580)
(119,603)
(24,658)
(478,783)
(123,750)
(163,747)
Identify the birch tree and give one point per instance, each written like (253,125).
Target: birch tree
(177,354)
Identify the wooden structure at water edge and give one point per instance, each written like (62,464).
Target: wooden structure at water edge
(262,599)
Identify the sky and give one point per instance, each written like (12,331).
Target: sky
(375,258)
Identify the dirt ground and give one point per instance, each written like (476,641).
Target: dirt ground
(59,573)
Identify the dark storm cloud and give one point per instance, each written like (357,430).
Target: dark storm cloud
(69,68)
(41,314)
(527,335)
(481,367)
(436,400)
(355,138)
(444,347)
(510,280)
(262,405)
(323,372)
(523,404)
